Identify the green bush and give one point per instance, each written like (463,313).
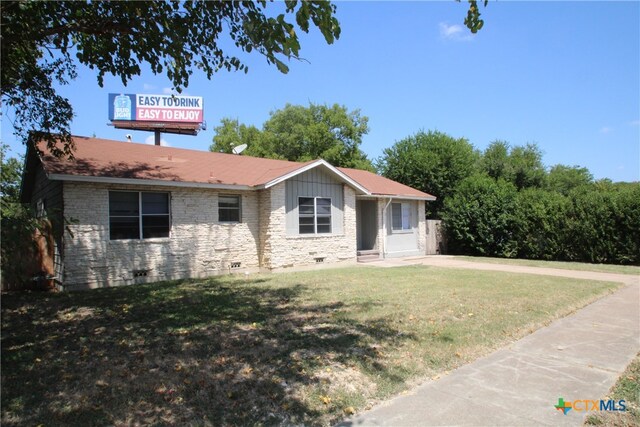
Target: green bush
(479,217)
(539,224)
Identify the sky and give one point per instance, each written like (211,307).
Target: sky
(562,75)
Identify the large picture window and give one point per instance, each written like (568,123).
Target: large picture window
(138,215)
(400,216)
(229,208)
(314,215)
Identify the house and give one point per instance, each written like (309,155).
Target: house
(127,213)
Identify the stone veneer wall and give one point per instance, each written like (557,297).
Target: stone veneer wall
(198,246)
(279,250)
(422,228)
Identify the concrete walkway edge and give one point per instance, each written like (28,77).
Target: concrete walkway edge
(577,357)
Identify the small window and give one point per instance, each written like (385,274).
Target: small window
(135,215)
(400,216)
(229,208)
(314,215)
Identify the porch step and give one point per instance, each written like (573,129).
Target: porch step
(368,256)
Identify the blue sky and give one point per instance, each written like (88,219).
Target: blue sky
(564,75)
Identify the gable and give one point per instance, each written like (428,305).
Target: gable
(314,183)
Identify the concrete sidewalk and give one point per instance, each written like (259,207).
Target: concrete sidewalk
(576,357)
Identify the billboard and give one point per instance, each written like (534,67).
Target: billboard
(156,108)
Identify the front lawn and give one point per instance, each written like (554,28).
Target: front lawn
(295,348)
(563,265)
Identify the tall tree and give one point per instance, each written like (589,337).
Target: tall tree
(301,133)
(41,42)
(526,165)
(520,165)
(495,160)
(433,162)
(563,179)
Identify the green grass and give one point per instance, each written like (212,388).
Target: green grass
(602,268)
(626,388)
(296,348)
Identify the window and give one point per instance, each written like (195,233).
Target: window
(314,215)
(228,208)
(135,215)
(400,216)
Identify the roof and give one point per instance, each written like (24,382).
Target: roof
(380,186)
(103,160)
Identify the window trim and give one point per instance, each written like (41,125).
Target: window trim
(316,216)
(239,208)
(140,215)
(402,230)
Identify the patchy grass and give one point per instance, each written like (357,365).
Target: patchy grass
(583,266)
(296,348)
(626,388)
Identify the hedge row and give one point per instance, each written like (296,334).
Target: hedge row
(596,223)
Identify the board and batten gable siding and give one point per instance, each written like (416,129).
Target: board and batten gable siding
(314,183)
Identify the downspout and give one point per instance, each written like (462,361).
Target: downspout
(384,228)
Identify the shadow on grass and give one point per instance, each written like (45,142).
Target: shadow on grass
(220,351)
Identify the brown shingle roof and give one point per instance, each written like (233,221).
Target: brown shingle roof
(103,158)
(381,186)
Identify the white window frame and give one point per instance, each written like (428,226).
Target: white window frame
(405,217)
(316,215)
(140,215)
(239,208)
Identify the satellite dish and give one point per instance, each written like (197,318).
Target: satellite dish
(239,149)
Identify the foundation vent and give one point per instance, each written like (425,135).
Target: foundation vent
(235,265)
(140,273)
(319,260)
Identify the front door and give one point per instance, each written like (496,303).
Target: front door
(367,224)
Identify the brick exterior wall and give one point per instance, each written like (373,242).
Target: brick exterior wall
(422,228)
(199,246)
(279,250)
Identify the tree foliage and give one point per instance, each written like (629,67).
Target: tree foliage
(596,223)
(479,217)
(564,179)
(520,165)
(17,223)
(301,133)
(42,42)
(432,162)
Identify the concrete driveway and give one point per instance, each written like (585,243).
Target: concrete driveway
(578,357)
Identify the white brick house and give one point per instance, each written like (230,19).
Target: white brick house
(137,213)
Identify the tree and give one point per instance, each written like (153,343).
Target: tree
(231,133)
(527,169)
(301,133)
(564,179)
(17,223)
(432,162)
(39,41)
(519,165)
(495,160)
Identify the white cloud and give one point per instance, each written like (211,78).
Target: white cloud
(151,140)
(170,91)
(454,32)
(147,86)
(606,130)
(634,123)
